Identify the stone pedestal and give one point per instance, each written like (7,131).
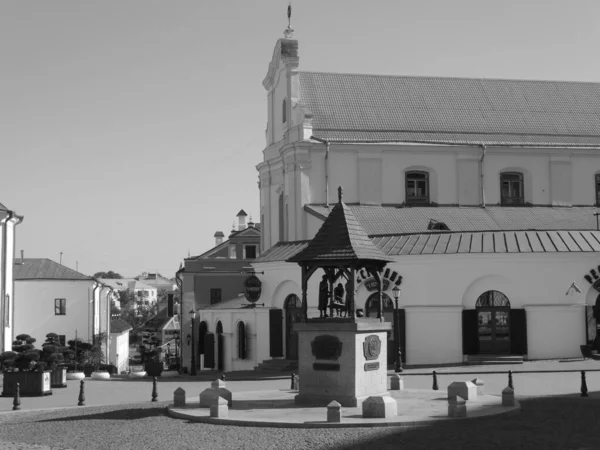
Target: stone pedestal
(219,408)
(342,360)
(465,389)
(217,389)
(380,407)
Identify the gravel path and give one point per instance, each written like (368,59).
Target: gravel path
(545,423)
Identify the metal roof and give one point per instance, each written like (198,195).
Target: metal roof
(354,107)
(380,220)
(44,269)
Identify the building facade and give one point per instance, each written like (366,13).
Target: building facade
(483,191)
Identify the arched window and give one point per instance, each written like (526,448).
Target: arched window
(417,188)
(597,189)
(372,304)
(241,331)
(292,301)
(511,188)
(284,111)
(492,299)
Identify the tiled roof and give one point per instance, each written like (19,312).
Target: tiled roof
(470,242)
(350,107)
(490,242)
(282,251)
(119,326)
(44,269)
(158,322)
(392,220)
(340,238)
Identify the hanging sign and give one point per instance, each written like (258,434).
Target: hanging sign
(371,284)
(593,278)
(252,288)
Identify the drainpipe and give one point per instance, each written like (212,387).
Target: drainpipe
(108,316)
(481,170)
(3,278)
(93,302)
(326,167)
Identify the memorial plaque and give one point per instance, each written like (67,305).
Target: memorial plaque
(371,366)
(372,347)
(326,347)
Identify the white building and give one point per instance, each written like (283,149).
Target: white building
(8,221)
(144,294)
(119,344)
(52,298)
(483,190)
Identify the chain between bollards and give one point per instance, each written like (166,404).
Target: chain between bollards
(584,389)
(435,384)
(17,400)
(510,382)
(154,391)
(81,394)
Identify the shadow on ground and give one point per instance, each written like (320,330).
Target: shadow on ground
(120,414)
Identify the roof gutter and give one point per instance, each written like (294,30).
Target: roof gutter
(5,261)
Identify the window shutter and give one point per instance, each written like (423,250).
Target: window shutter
(518,332)
(242,340)
(276,332)
(401,323)
(470,332)
(209,351)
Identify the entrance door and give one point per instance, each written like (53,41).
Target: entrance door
(493,313)
(220,346)
(293,314)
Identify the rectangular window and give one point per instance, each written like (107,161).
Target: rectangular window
(60,306)
(215,296)
(417,187)
(511,189)
(250,252)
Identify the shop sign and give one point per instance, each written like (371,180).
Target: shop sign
(371,284)
(252,288)
(593,278)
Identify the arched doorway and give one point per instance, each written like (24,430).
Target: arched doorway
(371,310)
(293,313)
(202,330)
(493,322)
(220,345)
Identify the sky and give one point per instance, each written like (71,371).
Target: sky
(130,130)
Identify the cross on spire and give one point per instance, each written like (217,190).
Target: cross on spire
(288,33)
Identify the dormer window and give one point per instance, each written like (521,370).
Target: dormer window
(284,111)
(417,188)
(511,188)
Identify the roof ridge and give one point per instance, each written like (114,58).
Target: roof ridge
(440,77)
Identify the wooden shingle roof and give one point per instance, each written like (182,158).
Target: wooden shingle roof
(340,238)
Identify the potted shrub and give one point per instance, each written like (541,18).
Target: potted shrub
(94,357)
(151,352)
(24,366)
(75,360)
(54,358)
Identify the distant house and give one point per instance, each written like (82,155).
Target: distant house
(145,294)
(119,344)
(215,276)
(52,298)
(8,222)
(158,281)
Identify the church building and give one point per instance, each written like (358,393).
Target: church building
(483,191)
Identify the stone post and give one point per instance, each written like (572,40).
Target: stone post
(457,406)
(508,397)
(334,412)
(396,383)
(179,397)
(219,408)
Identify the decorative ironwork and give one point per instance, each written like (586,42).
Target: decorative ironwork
(492,299)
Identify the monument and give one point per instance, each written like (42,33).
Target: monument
(341,358)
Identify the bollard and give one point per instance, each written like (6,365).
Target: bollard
(154,392)
(435,385)
(17,400)
(510,382)
(292,380)
(223,377)
(584,389)
(81,394)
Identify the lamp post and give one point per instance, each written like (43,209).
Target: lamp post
(193,316)
(396,292)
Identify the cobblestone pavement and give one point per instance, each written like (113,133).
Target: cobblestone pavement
(121,416)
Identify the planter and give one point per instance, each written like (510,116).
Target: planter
(88,371)
(170,374)
(141,374)
(30,383)
(153,369)
(100,376)
(58,378)
(75,375)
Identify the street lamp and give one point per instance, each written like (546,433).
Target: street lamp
(396,292)
(193,316)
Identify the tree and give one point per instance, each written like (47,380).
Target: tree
(110,275)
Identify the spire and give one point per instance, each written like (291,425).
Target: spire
(288,33)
